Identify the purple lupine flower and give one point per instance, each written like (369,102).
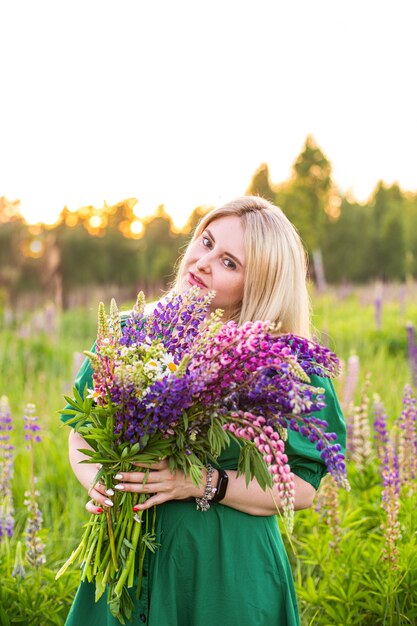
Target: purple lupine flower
(6,471)
(31,426)
(175,322)
(159,409)
(381,434)
(412,351)
(391,504)
(378,306)
(407,440)
(35,548)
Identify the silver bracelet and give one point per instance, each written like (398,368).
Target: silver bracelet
(203,503)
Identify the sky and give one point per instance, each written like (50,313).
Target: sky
(179,102)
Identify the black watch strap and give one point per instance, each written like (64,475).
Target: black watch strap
(221,486)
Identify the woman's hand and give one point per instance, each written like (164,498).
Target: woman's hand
(100,497)
(164,485)
(159,481)
(85,472)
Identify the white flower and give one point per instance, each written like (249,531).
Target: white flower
(92,393)
(168,361)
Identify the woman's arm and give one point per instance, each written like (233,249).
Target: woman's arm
(165,485)
(85,473)
(255,501)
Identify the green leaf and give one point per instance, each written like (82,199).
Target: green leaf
(87,451)
(128,544)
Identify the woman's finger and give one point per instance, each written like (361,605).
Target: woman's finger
(94,508)
(130,477)
(159,465)
(98,500)
(158,498)
(101,489)
(141,487)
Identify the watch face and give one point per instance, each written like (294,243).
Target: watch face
(221,486)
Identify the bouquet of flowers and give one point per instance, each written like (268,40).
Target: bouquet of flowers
(178,384)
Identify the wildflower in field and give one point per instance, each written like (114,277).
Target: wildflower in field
(351,381)
(327,505)
(412,351)
(407,440)
(6,471)
(381,434)
(31,426)
(391,504)
(359,444)
(35,548)
(378,306)
(19,567)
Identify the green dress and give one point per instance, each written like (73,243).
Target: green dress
(221,567)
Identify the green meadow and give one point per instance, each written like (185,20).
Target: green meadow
(337,547)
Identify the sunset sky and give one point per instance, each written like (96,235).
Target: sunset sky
(178,103)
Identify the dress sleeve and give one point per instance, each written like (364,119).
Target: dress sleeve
(303,457)
(84,377)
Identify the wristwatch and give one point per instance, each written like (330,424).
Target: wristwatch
(221,486)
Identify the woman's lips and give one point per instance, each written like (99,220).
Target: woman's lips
(194,280)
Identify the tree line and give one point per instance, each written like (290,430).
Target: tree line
(347,242)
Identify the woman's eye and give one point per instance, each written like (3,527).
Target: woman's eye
(206,242)
(230,264)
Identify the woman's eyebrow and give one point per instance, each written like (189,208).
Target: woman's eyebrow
(232,256)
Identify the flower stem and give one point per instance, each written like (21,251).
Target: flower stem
(111,540)
(98,550)
(130,561)
(88,573)
(75,554)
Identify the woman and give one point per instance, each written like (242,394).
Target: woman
(226,566)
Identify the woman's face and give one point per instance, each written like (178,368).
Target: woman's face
(216,260)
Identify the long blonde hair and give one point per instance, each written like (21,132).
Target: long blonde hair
(276,266)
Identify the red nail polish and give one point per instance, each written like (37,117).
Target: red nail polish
(99,509)
(136,508)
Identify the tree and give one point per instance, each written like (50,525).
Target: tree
(387,239)
(346,248)
(260,184)
(308,194)
(410,234)
(159,249)
(195,217)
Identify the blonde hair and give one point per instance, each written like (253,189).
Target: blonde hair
(276,265)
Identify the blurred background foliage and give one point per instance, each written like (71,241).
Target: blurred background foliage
(112,250)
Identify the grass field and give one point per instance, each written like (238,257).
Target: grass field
(336,552)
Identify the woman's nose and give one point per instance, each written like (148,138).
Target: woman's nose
(203,263)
